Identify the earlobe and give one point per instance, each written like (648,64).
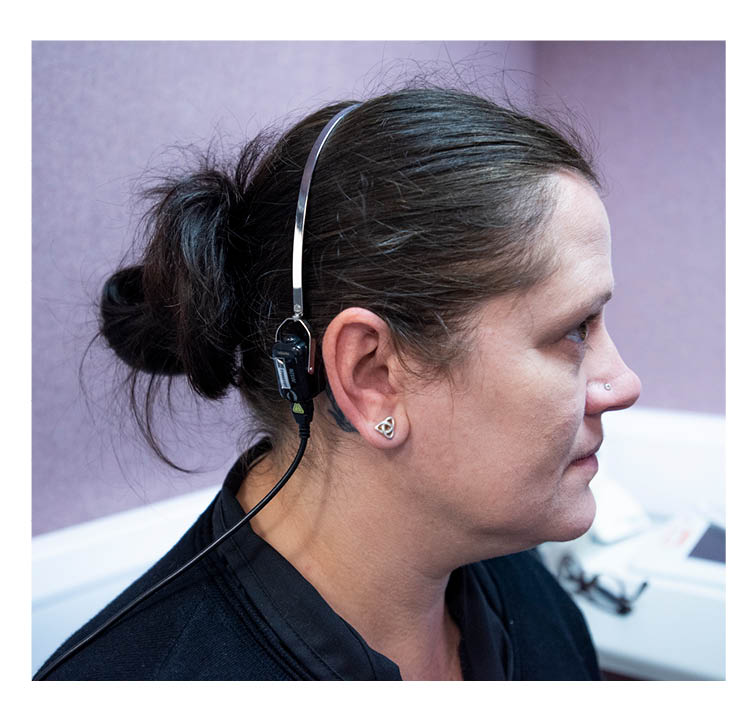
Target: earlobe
(362,372)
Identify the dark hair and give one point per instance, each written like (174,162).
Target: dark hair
(424,203)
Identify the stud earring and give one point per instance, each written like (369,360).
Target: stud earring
(607,386)
(386,427)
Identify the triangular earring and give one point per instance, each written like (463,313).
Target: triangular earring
(386,427)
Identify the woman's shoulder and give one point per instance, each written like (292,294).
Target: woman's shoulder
(192,628)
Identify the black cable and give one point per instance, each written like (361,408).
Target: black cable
(304,432)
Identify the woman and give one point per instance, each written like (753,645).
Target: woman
(456,264)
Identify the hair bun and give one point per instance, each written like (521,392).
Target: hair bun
(133,329)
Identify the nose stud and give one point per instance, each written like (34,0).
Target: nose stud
(607,386)
(386,427)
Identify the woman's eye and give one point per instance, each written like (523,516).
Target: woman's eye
(580,333)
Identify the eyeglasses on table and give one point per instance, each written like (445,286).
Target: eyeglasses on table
(605,591)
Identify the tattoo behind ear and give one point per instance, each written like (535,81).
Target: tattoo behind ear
(335,411)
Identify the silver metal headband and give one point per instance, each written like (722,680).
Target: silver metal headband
(304,191)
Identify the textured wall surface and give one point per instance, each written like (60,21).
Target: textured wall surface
(105,112)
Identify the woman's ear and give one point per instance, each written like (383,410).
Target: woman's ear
(365,376)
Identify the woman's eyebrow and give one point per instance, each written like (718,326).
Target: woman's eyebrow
(599,302)
(584,310)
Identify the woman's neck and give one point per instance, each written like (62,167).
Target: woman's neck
(349,536)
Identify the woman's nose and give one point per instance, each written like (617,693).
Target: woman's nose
(614,386)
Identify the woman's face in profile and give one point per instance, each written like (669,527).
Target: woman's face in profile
(497,445)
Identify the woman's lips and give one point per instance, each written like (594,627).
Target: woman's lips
(589,463)
(591,452)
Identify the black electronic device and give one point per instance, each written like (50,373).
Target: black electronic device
(294,357)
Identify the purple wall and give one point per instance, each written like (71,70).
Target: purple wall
(103,112)
(658,112)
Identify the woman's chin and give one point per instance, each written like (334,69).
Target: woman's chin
(576,521)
